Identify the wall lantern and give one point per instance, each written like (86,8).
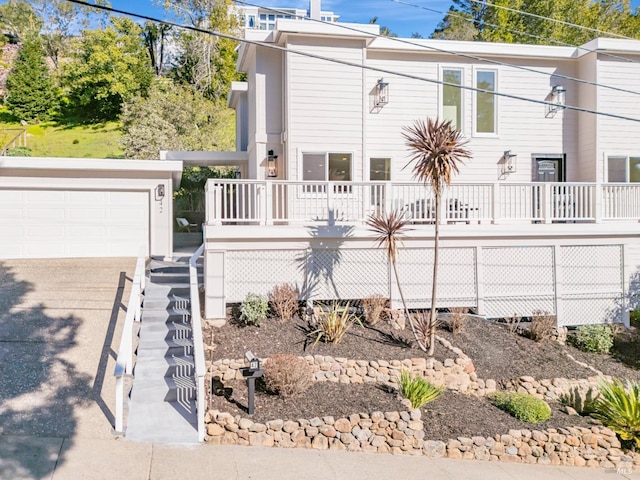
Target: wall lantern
(381,93)
(509,161)
(272,164)
(558,98)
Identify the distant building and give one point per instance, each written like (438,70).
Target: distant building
(264,18)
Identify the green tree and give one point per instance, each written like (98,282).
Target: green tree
(384,31)
(18,20)
(438,151)
(109,67)
(30,91)
(456,25)
(172,117)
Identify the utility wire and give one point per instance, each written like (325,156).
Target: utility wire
(459,54)
(345,62)
(562,22)
(455,13)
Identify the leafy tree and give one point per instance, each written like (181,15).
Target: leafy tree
(18,20)
(384,31)
(416,35)
(437,150)
(206,62)
(30,91)
(456,26)
(155,38)
(110,66)
(171,117)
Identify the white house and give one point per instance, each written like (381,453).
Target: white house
(544,217)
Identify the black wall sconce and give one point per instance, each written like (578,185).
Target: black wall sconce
(272,165)
(381,93)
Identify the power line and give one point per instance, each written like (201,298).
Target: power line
(464,55)
(457,14)
(562,22)
(347,63)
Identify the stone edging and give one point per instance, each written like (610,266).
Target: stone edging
(402,433)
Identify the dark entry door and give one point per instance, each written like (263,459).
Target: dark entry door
(548,169)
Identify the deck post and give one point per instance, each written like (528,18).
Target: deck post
(598,203)
(547,211)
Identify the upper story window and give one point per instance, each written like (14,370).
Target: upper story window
(623,169)
(485,103)
(452,97)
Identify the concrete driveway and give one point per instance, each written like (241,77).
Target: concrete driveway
(60,324)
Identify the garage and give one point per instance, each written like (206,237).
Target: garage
(66,208)
(72,223)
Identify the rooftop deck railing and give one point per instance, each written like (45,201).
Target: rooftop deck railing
(289,202)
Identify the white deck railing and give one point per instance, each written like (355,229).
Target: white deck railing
(124,362)
(268,202)
(198,345)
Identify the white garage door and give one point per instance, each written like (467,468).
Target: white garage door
(70,223)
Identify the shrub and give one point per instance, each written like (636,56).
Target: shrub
(254,309)
(513,323)
(287,375)
(424,327)
(418,390)
(523,406)
(618,407)
(634,318)
(457,319)
(284,301)
(543,326)
(334,323)
(594,338)
(373,307)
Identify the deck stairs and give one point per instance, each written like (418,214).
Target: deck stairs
(162,406)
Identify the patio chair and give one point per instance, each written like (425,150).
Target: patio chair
(184,223)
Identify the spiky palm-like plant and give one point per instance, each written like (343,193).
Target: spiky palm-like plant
(390,229)
(618,407)
(437,149)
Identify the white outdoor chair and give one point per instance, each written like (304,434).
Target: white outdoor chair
(184,223)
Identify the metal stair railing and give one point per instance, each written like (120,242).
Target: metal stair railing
(124,362)
(198,346)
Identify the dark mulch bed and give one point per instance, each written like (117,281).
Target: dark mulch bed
(450,416)
(379,342)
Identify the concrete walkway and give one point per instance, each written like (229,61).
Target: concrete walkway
(60,326)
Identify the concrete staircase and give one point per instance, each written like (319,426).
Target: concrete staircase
(162,407)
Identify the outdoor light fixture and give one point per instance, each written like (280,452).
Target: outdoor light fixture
(160,191)
(509,165)
(381,93)
(272,166)
(558,98)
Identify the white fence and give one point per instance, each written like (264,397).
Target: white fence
(579,284)
(274,202)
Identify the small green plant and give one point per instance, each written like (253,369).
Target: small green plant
(373,307)
(634,317)
(333,324)
(594,338)
(287,375)
(284,301)
(618,407)
(418,390)
(523,406)
(254,309)
(543,326)
(19,152)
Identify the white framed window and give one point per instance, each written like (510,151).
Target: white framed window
(485,103)
(380,169)
(326,166)
(623,169)
(452,101)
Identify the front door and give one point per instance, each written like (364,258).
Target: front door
(548,168)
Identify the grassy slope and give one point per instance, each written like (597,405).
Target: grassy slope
(80,141)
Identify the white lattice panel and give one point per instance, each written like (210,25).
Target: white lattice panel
(518,280)
(258,271)
(592,284)
(592,268)
(347,273)
(456,276)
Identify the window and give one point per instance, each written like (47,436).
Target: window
(252,21)
(623,169)
(452,98)
(319,167)
(263,16)
(272,18)
(263,26)
(380,169)
(485,103)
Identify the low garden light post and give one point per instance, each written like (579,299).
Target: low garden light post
(251,372)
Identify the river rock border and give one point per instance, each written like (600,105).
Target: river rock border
(402,433)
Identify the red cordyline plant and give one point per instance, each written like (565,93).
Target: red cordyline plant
(437,151)
(390,228)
